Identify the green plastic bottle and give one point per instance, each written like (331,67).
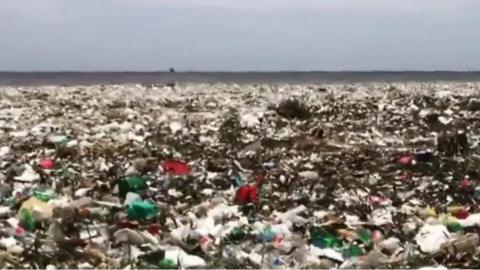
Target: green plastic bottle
(142,210)
(353,251)
(454,227)
(167,264)
(27,220)
(44,195)
(132,184)
(366,236)
(324,239)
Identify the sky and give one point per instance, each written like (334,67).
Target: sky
(239,35)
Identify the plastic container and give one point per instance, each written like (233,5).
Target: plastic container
(142,210)
(132,184)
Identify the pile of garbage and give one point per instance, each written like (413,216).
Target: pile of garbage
(240,176)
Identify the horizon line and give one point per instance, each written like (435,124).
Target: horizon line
(236,71)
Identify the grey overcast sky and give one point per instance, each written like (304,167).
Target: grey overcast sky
(239,35)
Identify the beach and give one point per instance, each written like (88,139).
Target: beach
(257,175)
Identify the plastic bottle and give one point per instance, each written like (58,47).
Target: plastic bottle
(237,180)
(44,195)
(454,227)
(27,219)
(323,239)
(365,236)
(352,251)
(268,234)
(142,210)
(167,264)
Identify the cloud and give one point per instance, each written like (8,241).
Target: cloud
(330,5)
(238,34)
(45,10)
(58,9)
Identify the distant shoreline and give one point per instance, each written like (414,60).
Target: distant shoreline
(69,78)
